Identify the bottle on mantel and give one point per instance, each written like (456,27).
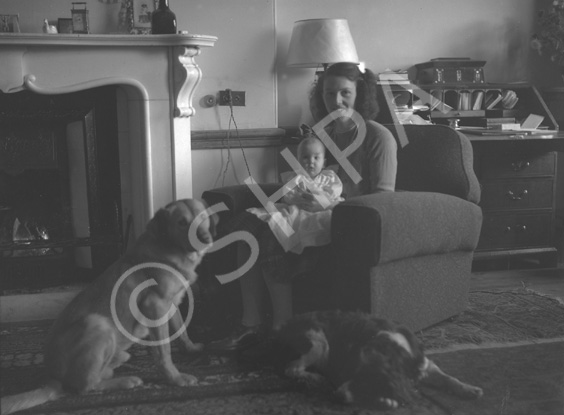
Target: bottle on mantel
(163,20)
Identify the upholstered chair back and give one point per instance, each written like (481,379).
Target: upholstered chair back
(436,158)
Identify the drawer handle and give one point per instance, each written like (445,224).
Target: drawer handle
(520,196)
(520,165)
(517,228)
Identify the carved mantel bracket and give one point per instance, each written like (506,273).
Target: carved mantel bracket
(187,76)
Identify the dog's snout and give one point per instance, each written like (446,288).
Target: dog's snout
(204,234)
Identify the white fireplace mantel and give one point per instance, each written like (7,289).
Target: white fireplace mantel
(159,76)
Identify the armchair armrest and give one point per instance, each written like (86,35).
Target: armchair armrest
(237,198)
(384,227)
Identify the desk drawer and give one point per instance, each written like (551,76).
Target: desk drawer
(517,194)
(515,231)
(506,165)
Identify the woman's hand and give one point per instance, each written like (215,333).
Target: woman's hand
(304,197)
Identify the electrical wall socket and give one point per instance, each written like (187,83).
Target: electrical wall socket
(237,97)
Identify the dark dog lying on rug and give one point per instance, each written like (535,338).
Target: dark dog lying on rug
(372,362)
(91,336)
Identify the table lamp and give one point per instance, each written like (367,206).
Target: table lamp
(321,42)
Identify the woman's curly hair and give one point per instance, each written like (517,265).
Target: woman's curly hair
(366,103)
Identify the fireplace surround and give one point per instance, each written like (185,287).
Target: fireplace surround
(60,187)
(154,78)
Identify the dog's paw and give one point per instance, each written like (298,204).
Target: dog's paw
(387,403)
(184,379)
(193,347)
(466,391)
(131,382)
(310,381)
(471,392)
(301,375)
(295,372)
(345,395)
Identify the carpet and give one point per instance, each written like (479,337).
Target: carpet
(509,343)
(498,317)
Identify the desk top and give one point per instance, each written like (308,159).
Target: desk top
(551,142)
(516,136)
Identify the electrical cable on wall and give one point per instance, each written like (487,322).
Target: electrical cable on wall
(232,120)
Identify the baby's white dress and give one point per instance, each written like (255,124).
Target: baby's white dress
(297,222)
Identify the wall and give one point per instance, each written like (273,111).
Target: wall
(398,34)
(254,37)
(103,18)
(210,166)
(242,58)
(543,72)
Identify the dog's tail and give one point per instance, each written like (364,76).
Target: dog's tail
(26,400)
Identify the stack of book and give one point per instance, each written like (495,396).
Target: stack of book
(397,88)
(490,122)
(390,77)
(497,122)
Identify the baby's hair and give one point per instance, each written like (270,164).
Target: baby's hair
(309,140)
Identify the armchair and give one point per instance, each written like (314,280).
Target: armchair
(403,255)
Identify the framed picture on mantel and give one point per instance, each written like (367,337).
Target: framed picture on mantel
(139,15)
(9,23)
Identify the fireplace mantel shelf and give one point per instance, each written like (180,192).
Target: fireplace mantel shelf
(117,40)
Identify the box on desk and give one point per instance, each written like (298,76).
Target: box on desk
(450,71)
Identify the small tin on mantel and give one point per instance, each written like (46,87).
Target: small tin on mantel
(79,14)
(451,71)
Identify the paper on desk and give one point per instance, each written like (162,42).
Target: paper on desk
(532,122)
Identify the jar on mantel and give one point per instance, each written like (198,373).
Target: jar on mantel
(163,20)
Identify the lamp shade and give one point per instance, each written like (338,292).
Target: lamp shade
(317,42)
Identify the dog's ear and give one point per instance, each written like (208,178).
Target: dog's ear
(415,345)
(158,226)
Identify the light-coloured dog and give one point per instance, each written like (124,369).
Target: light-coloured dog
(86,343)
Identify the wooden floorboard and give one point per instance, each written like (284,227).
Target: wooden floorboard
(545,281)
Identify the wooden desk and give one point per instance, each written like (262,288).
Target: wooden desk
(519,182)
(518,173)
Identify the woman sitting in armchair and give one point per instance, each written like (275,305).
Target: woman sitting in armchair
(344,105)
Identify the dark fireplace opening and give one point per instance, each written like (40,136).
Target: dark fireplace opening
(60,188)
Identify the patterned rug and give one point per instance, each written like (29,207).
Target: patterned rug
(509,343)
(499,317)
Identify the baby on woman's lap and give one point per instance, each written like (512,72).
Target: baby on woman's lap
(303,217)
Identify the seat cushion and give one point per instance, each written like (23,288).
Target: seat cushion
(386,227)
